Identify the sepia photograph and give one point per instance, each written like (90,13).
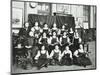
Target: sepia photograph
(52,37)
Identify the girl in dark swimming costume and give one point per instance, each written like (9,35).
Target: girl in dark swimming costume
(77,41)
(46,29)
(43,40)
(42,58)
(56,55)
(37,28)
(54,29)
(71,35)
(66,57)
(54,40)
(80,57)
(64,41)
(63,29)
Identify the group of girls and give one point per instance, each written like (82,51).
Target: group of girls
(56,57)
(52,46)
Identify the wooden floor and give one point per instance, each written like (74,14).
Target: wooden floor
(59,68)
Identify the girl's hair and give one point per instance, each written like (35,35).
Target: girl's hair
(66,47)
(57,45)
(43,34)
(81,45)
(25,23)
(42,46)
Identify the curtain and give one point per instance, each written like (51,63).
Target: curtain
(50,20)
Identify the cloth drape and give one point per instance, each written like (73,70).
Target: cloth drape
(50,20)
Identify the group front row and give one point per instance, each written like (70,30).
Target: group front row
(56,57)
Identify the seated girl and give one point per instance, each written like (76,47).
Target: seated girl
(66,57)
(55,55)
(76,42)
(64,41)
(42,58)
(54,40)
(71,35)
(80,57)
(43,39)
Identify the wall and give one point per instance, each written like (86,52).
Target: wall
(26,9)
(75,10)
(53,8)
(19,5)
(92,17)
(29,10)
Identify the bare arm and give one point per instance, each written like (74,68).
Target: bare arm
(60,40)
(76,53)
(47,54)
(40,40)
(68,39)
(70,54)
(51,54)
(80,40)
(62,53)
(37,56)
(59,55)
(49,40)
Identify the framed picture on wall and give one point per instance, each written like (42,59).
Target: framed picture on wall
(62,8)
(79,22)
(44,8)
(17,16)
